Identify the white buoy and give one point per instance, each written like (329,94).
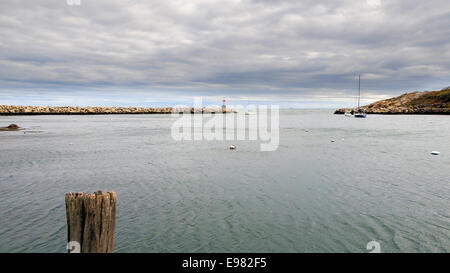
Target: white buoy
(435,153)
(232,147)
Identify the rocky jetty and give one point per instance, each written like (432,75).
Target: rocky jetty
(415,103)
(74,110)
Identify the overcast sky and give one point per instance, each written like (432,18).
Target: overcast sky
(293,53)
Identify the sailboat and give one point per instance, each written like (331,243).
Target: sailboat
(246,109)
(360,112)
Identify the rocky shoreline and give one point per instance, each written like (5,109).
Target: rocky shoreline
(9,110)
(412,111)
(416,103)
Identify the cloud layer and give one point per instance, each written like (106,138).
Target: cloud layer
(164,52)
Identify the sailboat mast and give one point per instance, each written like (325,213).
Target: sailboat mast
(359,90)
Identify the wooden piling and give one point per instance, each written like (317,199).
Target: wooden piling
(91,220)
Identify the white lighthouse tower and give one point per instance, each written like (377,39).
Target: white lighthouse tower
(224,106)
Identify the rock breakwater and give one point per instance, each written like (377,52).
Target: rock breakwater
(75,110)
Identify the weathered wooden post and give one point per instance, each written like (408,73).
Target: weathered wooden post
(91,221)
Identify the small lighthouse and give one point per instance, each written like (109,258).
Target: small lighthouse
(224,106)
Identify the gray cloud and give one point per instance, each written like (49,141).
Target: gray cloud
(268,50)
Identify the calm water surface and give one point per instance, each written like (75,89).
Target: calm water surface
(378,181)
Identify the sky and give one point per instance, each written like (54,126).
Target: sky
(301,54)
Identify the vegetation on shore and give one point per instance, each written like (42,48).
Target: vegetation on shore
(427,102)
